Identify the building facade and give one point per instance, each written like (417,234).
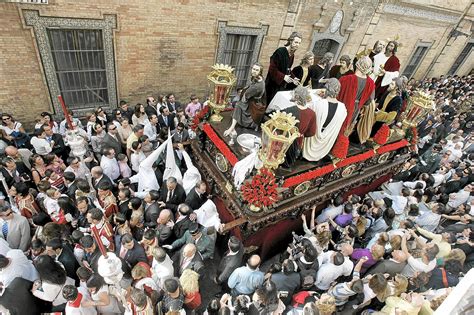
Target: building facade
(97,52)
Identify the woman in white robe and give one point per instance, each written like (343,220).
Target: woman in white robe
(327,128)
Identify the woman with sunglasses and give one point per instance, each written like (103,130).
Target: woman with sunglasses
(13,132)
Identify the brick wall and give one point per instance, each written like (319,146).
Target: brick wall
(169,45)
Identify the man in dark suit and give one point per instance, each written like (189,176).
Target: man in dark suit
(197,196)
(164,230)
(181,135)
(183,222)
(69,180)
(64,254)
(123,200)
(150,108)
(173,105)
(131,251)
(454,184)
(166,119)
(18,299)
(287,280)
(98,176)
(59,148)
(127,113)
(152,209)
(392,266)
(172,194)
(13,172)
(112,139)
(92,252)
(231,260)
(189,258)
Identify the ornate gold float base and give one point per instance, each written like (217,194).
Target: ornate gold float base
(216,117)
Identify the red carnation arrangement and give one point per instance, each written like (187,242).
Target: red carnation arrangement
(382,135)
(199,117)
(340,148)
(261,191)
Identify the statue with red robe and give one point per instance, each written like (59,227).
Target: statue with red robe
(279,71)
(306,125)
(356,91)
(387,71)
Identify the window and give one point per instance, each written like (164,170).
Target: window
(80,66)
(239,47)
(461,58)
(78,60)
(416,59)
(238,54)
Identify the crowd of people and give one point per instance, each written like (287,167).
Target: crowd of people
(399,250)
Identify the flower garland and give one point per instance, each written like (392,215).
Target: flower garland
(199,117)
(382,135)
(261,191)
(298,179)
(393,146)
(356,158)
(220,145)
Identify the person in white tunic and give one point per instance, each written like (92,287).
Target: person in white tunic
(330,115)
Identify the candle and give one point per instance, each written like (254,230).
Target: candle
(66,114)
(99,241)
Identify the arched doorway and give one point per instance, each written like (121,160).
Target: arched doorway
(323,46)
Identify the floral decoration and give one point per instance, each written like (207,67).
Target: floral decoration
(220,145)
(340,148)
(202,115)
(412,136)
(261,191)
(382,135)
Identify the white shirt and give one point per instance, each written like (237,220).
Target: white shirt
(428,220)
(417,265)
(150,131)
(19,266)
(328,272)
(42,147)
(81,310)
(81,172)
(457,199)
(329,212)
(110,167)
(136,159)
(162,271)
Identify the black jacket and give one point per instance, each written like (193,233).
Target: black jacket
(150,110)
(170,123)
(228,264)
(178,197)
(194,200)
(19,300)
(151,214)
(182,226)
(113,143)
(69,262)
(71,191)
(134,255)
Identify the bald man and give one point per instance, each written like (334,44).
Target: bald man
(19,155)
(189,258)
(164,227)
(246,279)
(392,266)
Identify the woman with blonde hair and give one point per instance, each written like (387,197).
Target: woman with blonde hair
(189,281)
(319,235)
(303,72)
(326,304)
(448,275)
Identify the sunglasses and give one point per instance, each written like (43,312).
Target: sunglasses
(113,128)
(6,118)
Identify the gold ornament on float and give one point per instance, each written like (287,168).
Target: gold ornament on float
(221,81)
(278,134)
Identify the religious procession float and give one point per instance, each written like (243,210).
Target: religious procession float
(260,201)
